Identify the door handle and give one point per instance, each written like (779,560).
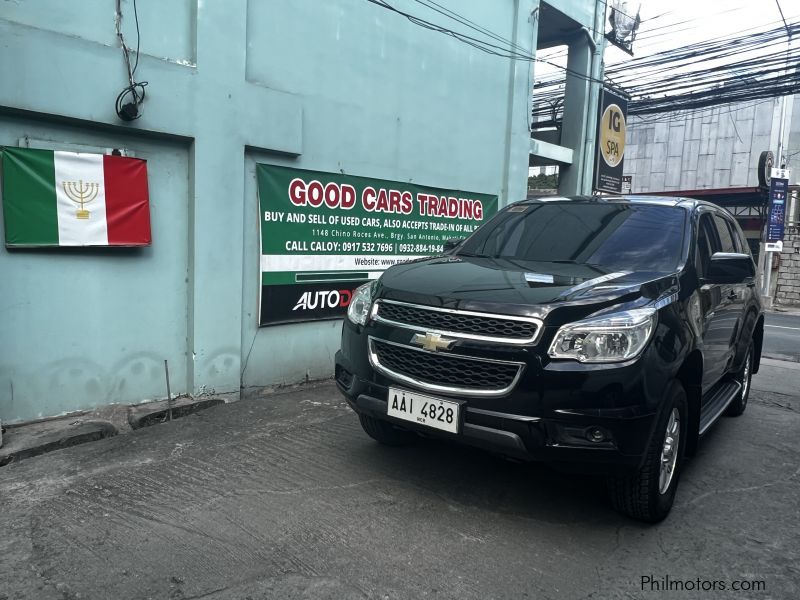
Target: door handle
(732,295)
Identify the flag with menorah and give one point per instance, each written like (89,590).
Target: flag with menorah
(74,199)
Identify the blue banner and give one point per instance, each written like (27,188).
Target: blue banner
(778,189)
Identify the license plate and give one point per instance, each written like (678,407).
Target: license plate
(423,410)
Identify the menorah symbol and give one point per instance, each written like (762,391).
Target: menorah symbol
(81,193)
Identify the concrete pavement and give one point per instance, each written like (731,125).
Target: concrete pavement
(285,497)
(782,335)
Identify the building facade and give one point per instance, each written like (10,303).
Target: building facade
(343,86)
(712,148)
(713,154)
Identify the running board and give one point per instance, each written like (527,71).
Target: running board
(719,399)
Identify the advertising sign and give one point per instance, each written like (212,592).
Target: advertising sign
(778,190)
(324,234)
(610,143)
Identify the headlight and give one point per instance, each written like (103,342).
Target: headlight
(608,338)
(358,311)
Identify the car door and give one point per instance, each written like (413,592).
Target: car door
(718,318)
(737,292)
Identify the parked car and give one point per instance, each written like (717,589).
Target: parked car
(603,335)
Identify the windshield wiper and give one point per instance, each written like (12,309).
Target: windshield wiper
(473,255)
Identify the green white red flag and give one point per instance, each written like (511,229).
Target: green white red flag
(53,198)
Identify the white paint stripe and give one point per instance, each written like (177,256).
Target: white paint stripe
(782,327)
(271,263)
(76,173)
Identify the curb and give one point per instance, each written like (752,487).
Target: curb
(782,357)
(29,441)
(26,440)
(154,413)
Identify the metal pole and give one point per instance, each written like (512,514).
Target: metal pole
(779,164)
(595,88)
(781,127)
(169,393)
(768,273)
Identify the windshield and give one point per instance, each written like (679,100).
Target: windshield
(614,237)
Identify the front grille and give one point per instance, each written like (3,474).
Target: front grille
(457,322)
(443,372)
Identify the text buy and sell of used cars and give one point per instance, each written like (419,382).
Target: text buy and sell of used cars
(602,335)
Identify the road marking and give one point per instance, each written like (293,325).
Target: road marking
(783,327)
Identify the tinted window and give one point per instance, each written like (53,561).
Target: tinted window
(706,242)
(725,238)
(611,236)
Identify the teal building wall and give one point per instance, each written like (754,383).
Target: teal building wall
(339,85)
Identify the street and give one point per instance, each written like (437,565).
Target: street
(529,225)
(283,496)
(782,335)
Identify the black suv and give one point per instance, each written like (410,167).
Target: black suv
(603,335)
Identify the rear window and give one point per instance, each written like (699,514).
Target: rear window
(611,236)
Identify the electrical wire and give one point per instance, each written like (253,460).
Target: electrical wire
(506,50)
(734,68)
(129,101)
(783,18)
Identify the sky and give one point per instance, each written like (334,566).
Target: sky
(668,24)
(663,22)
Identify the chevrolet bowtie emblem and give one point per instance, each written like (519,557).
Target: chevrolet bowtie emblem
(432,341)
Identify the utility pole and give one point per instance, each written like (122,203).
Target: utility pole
(778,156)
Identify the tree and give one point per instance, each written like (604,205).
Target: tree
(543,182)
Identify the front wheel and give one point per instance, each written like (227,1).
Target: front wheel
(744,376)
(648,494)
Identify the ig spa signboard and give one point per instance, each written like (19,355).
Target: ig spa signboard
(324,234)
(610,157)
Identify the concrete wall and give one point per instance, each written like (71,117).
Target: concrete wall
(716,147)
(787,290)
(341,85)
(82,328)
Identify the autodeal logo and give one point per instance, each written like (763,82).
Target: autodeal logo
(324,299)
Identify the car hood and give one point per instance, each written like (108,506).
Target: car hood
(524,288)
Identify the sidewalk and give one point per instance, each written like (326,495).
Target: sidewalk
(26,440)
(785,310)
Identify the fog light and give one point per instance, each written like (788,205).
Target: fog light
(595,434)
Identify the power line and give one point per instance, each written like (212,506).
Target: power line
(482,45)
(780,10)
(732,68)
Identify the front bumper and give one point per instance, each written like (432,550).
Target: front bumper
(548,415)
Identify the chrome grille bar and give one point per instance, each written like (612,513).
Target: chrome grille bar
(463,324)
(500,376)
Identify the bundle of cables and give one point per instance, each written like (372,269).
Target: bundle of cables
(129,101)
(749,65)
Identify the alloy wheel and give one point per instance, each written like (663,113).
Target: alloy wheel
(669,453)
(746,378)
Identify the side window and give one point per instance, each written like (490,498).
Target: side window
(706,244)
(725,236)
(738,238)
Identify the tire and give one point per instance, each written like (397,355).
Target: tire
(385,433)
(744,377)
(644,495)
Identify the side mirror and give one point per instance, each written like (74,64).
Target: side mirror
(730,267)
(452,243)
